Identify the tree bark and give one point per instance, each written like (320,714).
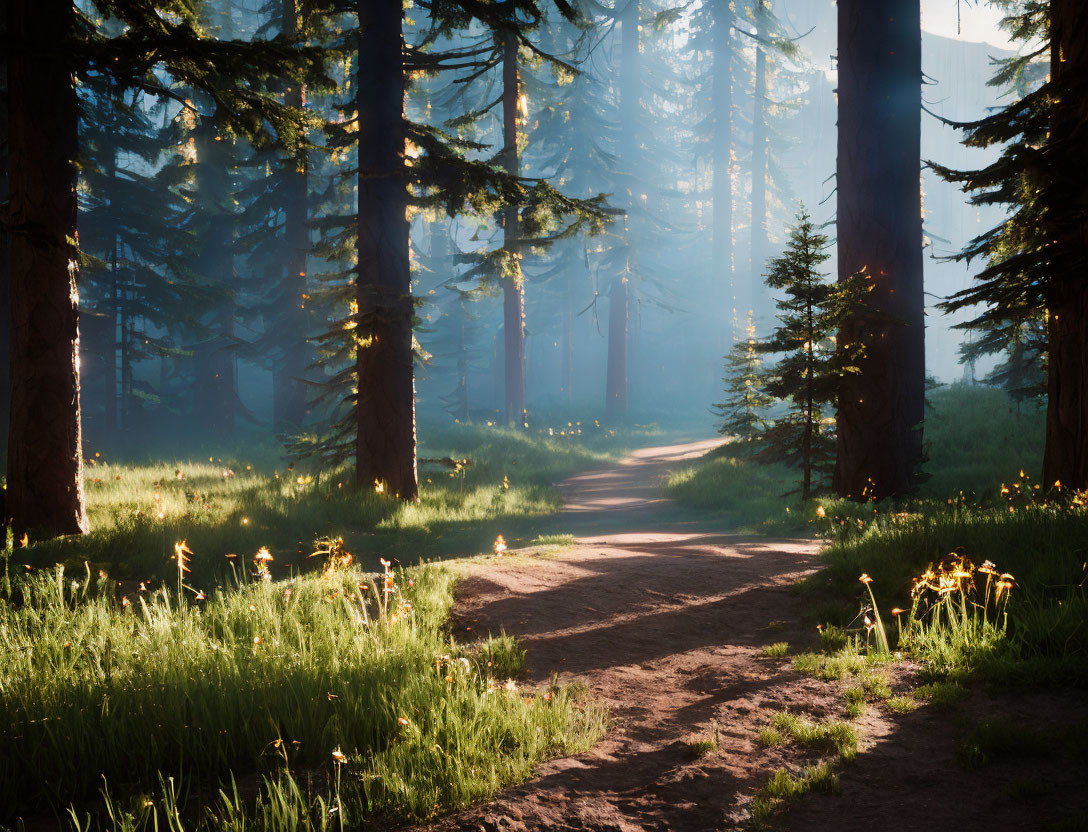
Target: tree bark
(385,441)
(513,287)
(618,301)
(290,397)
(45,460)
(5,274)
(722,158)
(215,392)
(1065,458)
(880,231)
(566,345)
(758,247)
(116,311)
(616,380)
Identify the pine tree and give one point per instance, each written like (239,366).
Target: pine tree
(744,411)
(1036,259)
(137,286)
(404,166)
(879,229)
(57,42)
(813,363)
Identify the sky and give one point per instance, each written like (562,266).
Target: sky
(978,21)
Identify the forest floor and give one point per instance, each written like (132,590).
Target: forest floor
(669,621)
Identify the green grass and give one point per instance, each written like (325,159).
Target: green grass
(975,438)
(855,702)
(167,700)
(744,495)
(901,704)
(988,741)
(835,737)
(844,664)
(1045,639)
(700,745)
(506,489)
(562,540)
(943,694)
(784,787)
(777,650)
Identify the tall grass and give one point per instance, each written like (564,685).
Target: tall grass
(1044,637)
(264,678)
(229,505)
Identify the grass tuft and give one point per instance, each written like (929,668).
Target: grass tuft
(777,650)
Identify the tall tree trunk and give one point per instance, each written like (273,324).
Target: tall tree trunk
(109,360)
(616,381)
(290,399)
(464,409)
(5,274)
(1066,456)
(758,249)
(566,344)
(129,292)
(385,441)
(619,293)
(513,286)
(45,460)
(880,230)
(722,159)
(215,392)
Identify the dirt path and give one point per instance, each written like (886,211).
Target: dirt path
(664,621)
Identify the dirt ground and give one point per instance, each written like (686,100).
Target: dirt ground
(664,621)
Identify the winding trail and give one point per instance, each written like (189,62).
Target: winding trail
(664,621)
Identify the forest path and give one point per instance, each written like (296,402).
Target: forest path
(663,619)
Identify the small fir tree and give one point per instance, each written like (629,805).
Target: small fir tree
(744,410)
(808,374)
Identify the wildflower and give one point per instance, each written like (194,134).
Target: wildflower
(865,579)
(181,549)
(896,611)
(338,756)
(200,595)
(125,602)
(500,545)
(379,487)
(24,541)
(820,511)
(403,721)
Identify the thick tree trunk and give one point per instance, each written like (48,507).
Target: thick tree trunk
(290,397)
(1065,459)
(722,160)
(215,392)
(385,441)
(566,344)
(615,394)
(45,460)
(109,360)
(290,402)
(127,294)
(880,231)
(5,272)
(758,297)
(616,378)
(513,288)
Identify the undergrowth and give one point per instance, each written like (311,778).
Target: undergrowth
(333,697)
